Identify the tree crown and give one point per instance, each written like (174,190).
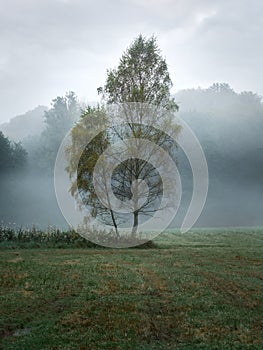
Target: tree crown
(141,76)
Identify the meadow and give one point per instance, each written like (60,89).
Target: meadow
(199,290)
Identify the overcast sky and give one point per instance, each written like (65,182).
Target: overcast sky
(49,47)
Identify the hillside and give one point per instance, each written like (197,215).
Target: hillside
(24,125)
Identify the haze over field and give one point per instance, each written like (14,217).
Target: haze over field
(229,127)
(50,48)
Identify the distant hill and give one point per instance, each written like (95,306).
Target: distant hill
(232,121)
(22,126)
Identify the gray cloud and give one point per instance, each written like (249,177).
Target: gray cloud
(49,47)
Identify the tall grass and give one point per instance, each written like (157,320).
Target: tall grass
(34,237)
(12,236)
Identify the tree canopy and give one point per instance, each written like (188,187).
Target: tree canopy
(13,156)
(64,111)
(141,78)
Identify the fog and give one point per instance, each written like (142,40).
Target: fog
(29,199)
(25,125)
(229,126)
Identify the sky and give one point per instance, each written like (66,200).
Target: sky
(49,47)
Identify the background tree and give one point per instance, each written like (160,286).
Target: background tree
(13,156)
(64,111)
(13,162)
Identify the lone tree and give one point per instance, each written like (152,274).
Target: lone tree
(141,79)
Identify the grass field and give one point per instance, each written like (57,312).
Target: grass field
(200,290)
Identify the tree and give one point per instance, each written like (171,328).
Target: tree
(13,157)
(64,111)
(92,120)
(140,82)
(13,163)
(142,76)
(221,88)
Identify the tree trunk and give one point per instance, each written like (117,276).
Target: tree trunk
(115,225)
(135,200)
(135,223)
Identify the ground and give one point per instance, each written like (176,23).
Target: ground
(200,290)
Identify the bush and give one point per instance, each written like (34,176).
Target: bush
(36,238)
(52,237)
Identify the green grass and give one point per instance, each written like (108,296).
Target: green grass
(200,290)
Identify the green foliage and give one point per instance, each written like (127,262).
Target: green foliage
(59,119)
(53,237)
(141,79)
(141,76)
(92,133)
(36,238)
(64,111)
(12,155)
(88,132)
